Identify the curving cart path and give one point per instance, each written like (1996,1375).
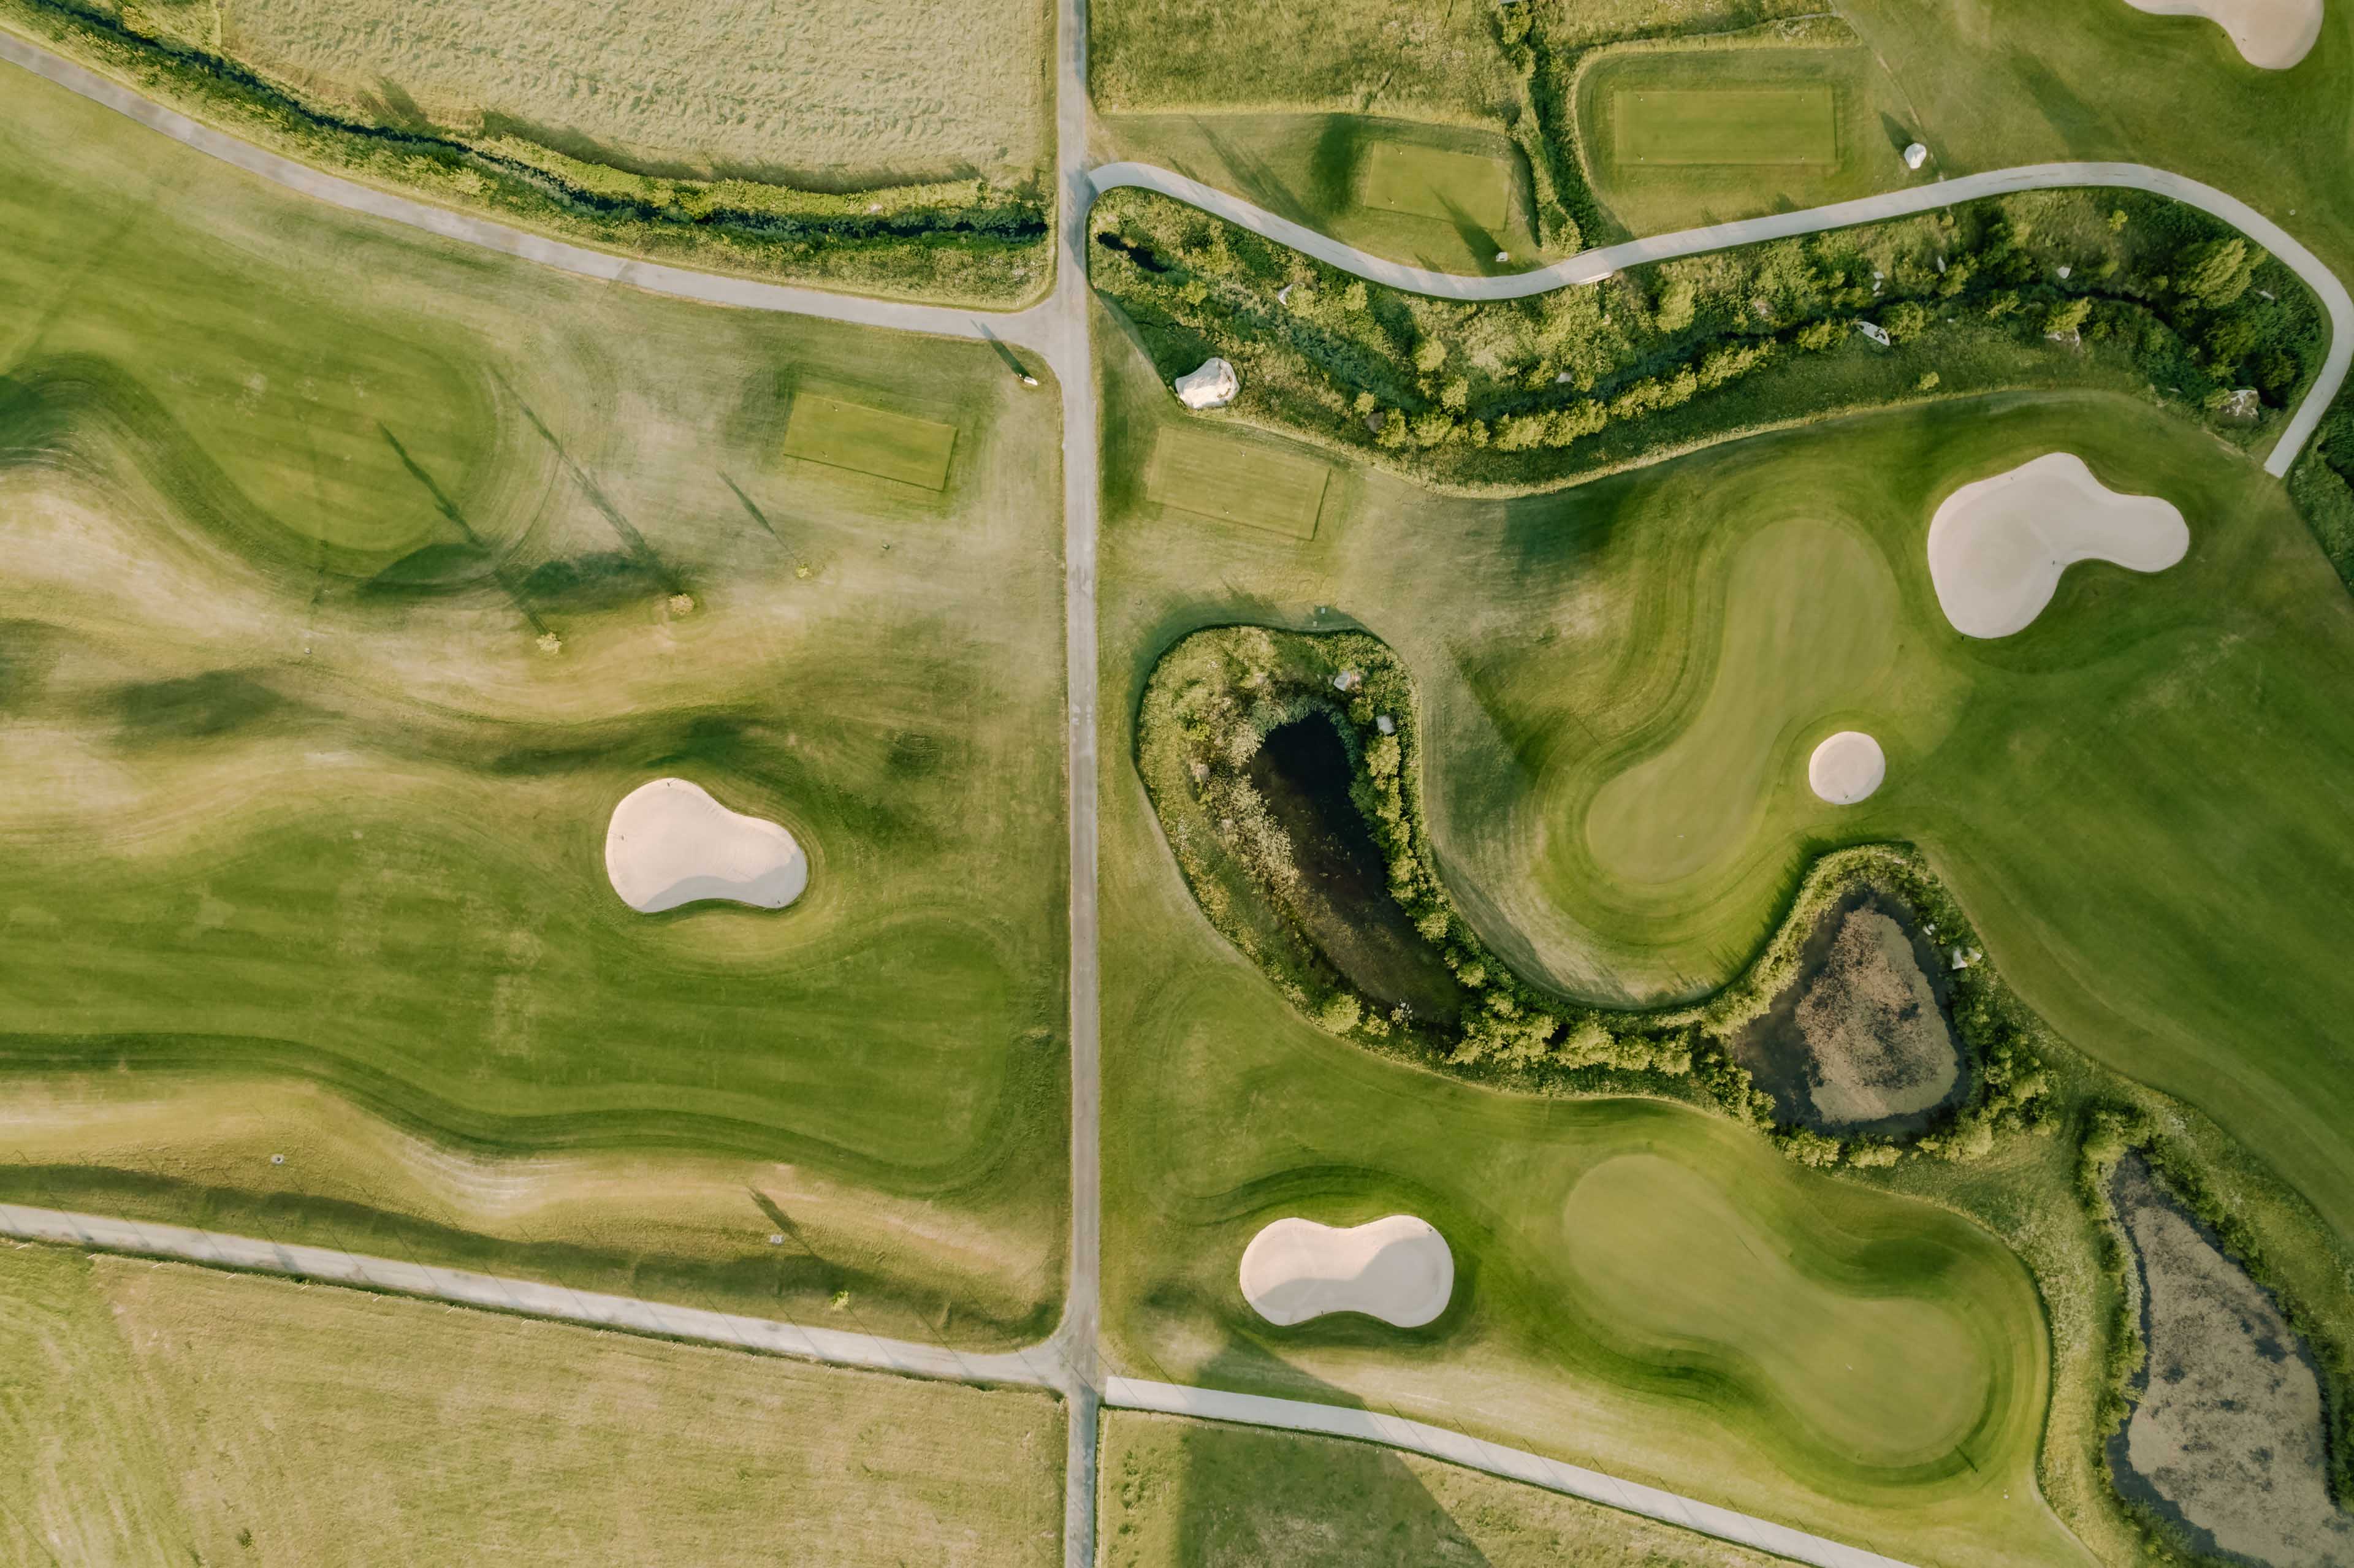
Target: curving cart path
(1057,330)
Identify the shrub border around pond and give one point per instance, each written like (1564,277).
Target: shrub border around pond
(1215,694)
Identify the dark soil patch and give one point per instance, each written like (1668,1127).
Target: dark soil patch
(1788,1062)
(1303,771)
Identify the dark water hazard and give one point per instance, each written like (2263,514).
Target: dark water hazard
(1303,771)
(1788,1063)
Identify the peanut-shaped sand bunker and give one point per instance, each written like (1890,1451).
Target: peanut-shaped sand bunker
(2273,33)
(1997,548)
(670,844)
(1846,767)
(1397,1270)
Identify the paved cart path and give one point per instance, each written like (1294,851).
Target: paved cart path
(1047,1365)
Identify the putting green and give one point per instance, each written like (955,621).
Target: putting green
(1749,127)
(309,753)
(1259,485)
(1430,182)
(1808,632)
(1670,1256)
(870,440)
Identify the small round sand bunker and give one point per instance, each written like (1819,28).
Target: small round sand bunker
(2272,34)
(1847,767)
(670,844)
(1397,1268)
(1997,548)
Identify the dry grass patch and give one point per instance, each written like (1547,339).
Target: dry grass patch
(184,1414)
(856,94)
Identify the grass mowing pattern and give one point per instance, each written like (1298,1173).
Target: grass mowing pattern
(1178,1492)
(297,798)
(1674,134)
(161,1412)
(870,440)
(1764,126)
(1259,485)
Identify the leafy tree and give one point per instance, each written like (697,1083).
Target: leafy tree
(2218,271)
(1819,336)
(1903,321)
(2066,317)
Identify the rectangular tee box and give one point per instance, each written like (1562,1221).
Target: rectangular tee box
(1775,126)
(870,440)
(1428,181)
(1210,474)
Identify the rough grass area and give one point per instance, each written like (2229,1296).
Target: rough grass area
(1569,636)
(360,577)
(1180,1493)
(891,446)
(1259,485)
(852,95)
(1468,189)
(966,239)
(158,1413)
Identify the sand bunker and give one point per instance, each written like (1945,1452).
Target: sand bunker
(670,844)
(1997,548)
(1847,767)
(2273,34)
(1397,1270)
(2226,1435)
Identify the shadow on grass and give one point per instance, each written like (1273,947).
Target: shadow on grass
(1282,1499)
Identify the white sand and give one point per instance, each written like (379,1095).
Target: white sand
(1847,767)
(1997,548)
(670,844)
(1397,1270)
(2273,33)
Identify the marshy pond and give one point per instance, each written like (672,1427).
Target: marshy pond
(1862,1040)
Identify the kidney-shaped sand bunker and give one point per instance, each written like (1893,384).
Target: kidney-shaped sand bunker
(1397,1268)
(670,844)
(1997,548)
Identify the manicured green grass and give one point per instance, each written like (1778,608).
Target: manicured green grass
(1674,137)
(1225,1110)
(1180,1493)
(870,440)
(1438,196)
(159,1413)
(1260,485)
(1428,181)
(1743,126)
(348,603)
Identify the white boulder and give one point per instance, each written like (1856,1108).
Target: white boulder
(1915,155)
(1212,387)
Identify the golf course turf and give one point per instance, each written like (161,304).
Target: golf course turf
(339,632)
(1760,596)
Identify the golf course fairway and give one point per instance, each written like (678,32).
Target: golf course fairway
(339,631)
